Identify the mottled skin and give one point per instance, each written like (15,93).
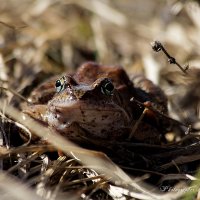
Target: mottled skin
(82,109)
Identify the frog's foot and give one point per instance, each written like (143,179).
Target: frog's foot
(36,111)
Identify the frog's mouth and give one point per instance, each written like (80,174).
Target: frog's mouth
(93,115)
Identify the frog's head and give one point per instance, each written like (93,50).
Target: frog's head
(95,107)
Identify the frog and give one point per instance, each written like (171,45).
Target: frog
(99,102)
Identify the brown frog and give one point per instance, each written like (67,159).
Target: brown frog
(95,102)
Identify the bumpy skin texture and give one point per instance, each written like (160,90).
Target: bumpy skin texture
(83,109)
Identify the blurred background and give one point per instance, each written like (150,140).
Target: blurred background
(53,36)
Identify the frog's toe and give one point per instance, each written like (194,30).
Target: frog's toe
(36,111)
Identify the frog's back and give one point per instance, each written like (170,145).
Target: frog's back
(91,71)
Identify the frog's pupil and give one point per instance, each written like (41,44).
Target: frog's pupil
(58,83)
(109,86)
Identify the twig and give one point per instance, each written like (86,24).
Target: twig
(15,93)
(181,160)
(157,46)
(12,26)
(137,123)
(4,152)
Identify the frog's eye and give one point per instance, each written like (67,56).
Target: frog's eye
(107,88)
(58,86)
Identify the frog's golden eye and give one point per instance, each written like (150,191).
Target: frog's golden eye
(107,88)
(60,84)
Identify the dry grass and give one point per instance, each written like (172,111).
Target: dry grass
(41,38)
